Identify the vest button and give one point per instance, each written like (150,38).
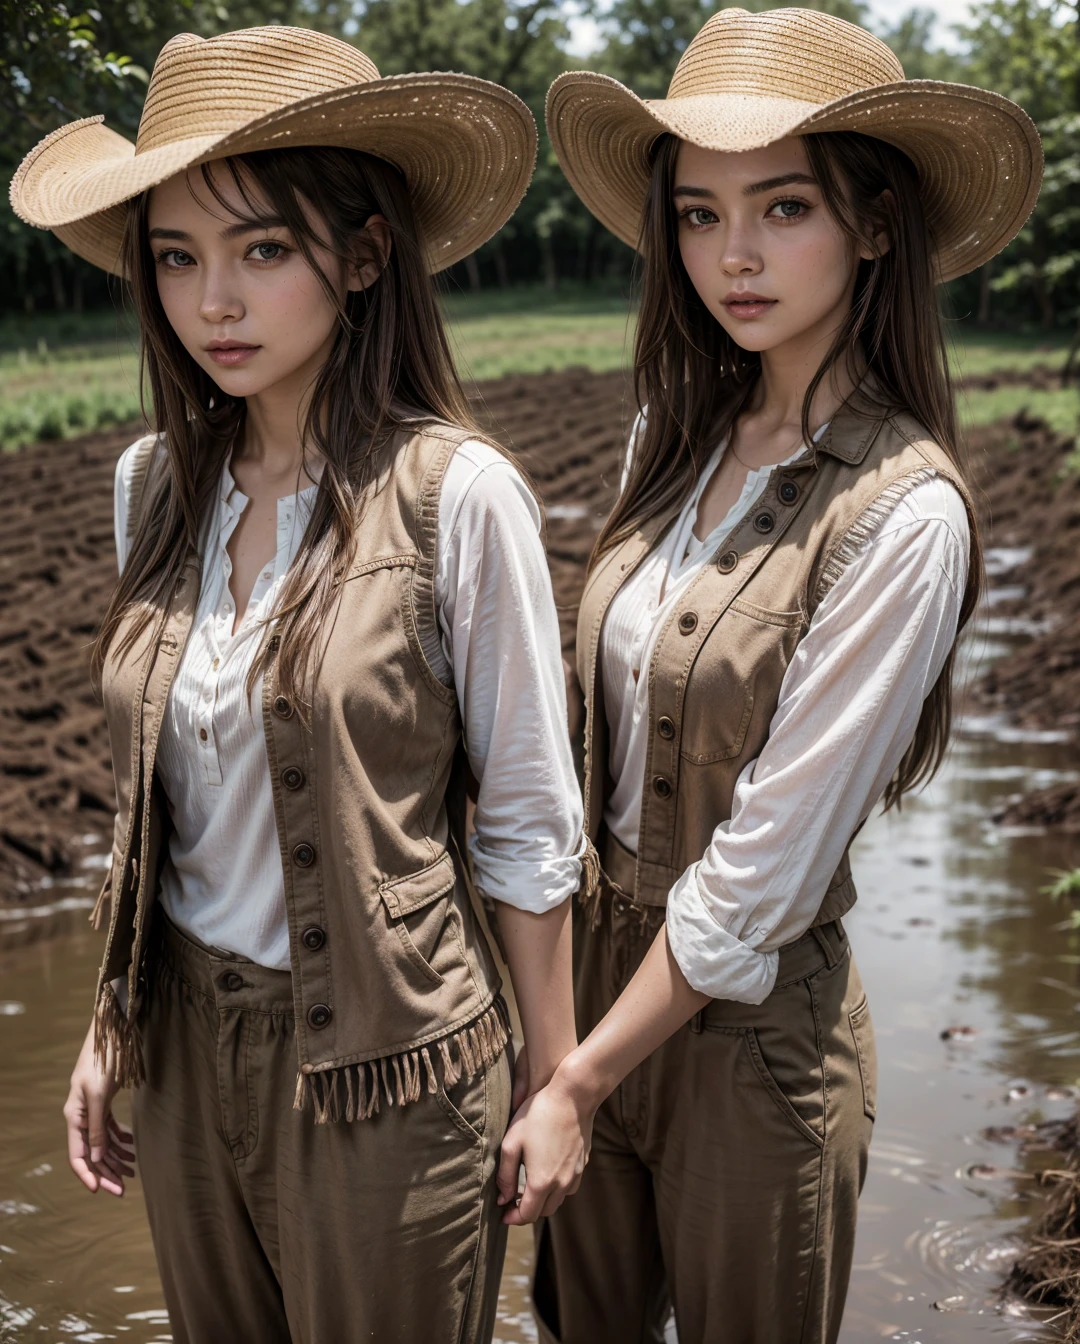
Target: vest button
(727,562)
(764,522)
(665,728)
(319,1015)
(292,777)
(282,707)
(232,980)
(303,856)
(789,492)
(662,787)
(313,938)
(688,622)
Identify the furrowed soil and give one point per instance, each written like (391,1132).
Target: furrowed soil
(57,566)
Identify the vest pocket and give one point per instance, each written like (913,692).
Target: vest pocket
(862,1032)
(419,922)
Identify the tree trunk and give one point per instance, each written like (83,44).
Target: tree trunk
(472,270)
(59,302)
(551,274)
(502,273)
(76,291)
(985,292)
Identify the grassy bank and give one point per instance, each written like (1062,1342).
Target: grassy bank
(63,377)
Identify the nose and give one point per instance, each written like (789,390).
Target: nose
(219,301)
(740,256)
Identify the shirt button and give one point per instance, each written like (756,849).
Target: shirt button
(282,707)
(232,980)
(688,622)
(202,734)
(789,492)
(292,777)
(764,522)
(319,1015)
(665,728)
(216,664)
(661,787)
(313,938)
(727,562)
(303,856)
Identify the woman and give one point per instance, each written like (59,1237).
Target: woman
(330,583)
(765,644)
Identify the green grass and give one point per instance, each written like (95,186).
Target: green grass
(65,376)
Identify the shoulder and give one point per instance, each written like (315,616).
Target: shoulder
(132,461)
(483,485)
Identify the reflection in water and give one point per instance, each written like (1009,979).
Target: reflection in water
(950,932)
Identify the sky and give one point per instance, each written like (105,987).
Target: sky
(585,35)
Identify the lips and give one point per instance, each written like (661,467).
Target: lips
(231,352)
(746,305)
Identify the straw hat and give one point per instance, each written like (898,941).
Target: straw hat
(466,146)
(747,80)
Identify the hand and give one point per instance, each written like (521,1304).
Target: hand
(101,1151)
(550,1135)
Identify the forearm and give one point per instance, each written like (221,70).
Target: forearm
(538,953)
(653,1006)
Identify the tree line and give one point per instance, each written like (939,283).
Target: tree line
(58,63)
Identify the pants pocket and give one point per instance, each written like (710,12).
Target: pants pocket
(779,1096)
(862,1033)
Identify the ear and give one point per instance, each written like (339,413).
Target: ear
(882,238)
(373,254)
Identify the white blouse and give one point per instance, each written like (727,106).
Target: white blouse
(848,708)
(498,645)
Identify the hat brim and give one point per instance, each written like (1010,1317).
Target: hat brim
(466,147)
(978,155)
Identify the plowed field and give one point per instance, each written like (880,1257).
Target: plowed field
(57,564)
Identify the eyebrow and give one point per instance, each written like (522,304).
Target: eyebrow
(754,189)
(233,231)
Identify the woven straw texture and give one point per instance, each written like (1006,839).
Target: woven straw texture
(748,80)
(466,146)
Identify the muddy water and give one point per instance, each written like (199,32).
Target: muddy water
(950,932)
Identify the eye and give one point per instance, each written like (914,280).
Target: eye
(699,217)
(173,259)
(268,251)
(788,209)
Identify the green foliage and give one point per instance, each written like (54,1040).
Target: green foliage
(1066,883)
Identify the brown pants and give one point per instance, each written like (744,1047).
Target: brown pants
(725,1170)
(268,1227)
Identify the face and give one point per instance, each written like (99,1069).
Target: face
(761,248)
(242,299)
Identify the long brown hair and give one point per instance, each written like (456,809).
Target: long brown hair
(390,369)
(695,380)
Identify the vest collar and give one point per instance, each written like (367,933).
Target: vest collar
(855,426)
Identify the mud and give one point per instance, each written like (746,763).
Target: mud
(57,564)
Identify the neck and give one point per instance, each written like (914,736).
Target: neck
(273,427)
(788,371)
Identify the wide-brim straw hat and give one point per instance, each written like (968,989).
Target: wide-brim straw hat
(465,146)
(747,80)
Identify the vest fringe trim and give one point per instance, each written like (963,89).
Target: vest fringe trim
(866,525)
(591,888)
(354,1091)
(117,1042)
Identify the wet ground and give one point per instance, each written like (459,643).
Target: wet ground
(952,935)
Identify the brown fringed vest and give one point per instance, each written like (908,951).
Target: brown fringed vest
(720,659)
(394,987)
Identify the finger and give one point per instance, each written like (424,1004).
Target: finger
(509,1166)
(97,1133)
(532,1202)
(117,1165)
(78,1155)
(121,1133)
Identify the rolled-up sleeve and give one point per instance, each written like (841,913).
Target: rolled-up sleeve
(500,633)
(848,709)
